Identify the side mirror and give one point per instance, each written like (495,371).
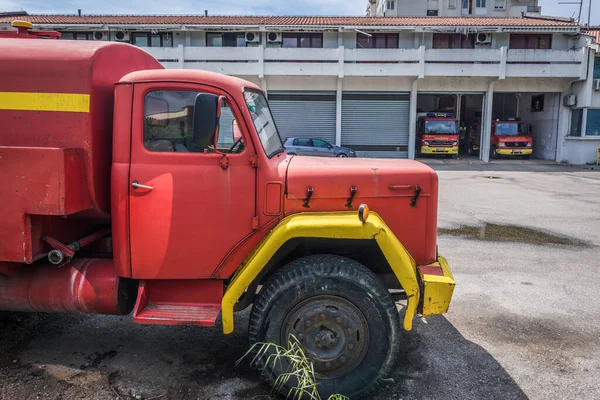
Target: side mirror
(207,111)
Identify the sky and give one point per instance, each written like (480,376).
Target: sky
(243,7)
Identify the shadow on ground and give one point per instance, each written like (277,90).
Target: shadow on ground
(437,362)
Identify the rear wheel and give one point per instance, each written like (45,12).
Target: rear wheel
(342,315)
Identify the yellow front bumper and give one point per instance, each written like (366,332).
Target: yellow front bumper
(439,150)
(438,287)
(514,152)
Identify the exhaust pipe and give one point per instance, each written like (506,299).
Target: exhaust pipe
(88,286)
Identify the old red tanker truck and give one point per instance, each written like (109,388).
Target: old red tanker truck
(168,195)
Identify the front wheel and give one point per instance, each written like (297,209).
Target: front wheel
(341,155)
(342,315)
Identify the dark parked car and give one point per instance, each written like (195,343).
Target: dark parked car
(316,147)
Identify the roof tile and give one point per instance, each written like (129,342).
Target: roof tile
(281,20)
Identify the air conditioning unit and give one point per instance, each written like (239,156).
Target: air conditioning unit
(274,37)
(570,100)
(121,36)
(99,35)
(252,37)
(484,38)
(596,85)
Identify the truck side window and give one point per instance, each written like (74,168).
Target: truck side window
(168,125)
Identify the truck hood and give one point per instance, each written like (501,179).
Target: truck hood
(333,178)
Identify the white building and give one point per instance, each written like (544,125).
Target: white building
(359,82)
(453,8)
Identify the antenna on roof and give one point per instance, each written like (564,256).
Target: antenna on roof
(79,12)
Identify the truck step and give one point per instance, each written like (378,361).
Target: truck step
(173,314)
(178,302)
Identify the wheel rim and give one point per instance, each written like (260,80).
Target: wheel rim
(342,156)
(333,333)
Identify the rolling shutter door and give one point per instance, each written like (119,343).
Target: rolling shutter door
(304,114)
(376,124)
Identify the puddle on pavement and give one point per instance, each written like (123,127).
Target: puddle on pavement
(510,233)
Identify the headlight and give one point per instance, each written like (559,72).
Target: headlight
(454,143)
(529,144)
(425,143)
(501,144)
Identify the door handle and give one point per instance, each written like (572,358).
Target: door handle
(136,185)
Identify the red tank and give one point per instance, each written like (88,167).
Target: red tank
(66,140)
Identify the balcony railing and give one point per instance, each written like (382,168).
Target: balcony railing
(421,62)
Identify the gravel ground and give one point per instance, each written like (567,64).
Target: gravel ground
(524,321)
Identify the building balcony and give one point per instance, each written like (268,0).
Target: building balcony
(421,62)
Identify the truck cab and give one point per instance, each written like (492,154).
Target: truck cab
(437,134)
(510,137)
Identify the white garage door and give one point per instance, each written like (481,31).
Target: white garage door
(376,124)
(304,114)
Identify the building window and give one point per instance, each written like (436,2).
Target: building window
(453,41)
(304,40)
(377,41)
(500,4)
(227,39)
(77,35)
(597,68)
(576,119)
(391,5)
(465,4)
(592,127)
(480,4)
(452,3)
(542,42)
(148,39)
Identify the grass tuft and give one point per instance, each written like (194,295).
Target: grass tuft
(300,369)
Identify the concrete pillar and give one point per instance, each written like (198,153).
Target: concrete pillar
(503,58)
(412,127)
(261,55)
(180,56)
(263,85)
(188,39)
(486,123)
(421,62)
(338,112)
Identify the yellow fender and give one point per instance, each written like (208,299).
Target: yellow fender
(339,225)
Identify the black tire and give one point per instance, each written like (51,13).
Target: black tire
(292,154)
(320,299)
(342,155)
(493,154)
(526,157)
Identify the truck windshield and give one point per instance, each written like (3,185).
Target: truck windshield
(441,127)
(264,123)
(511,129)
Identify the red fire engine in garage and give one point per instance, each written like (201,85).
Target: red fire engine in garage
(437,133)
(128,188)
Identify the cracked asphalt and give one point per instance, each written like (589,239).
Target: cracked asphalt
(524,322)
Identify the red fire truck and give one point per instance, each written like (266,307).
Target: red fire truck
(437,133)
(168,194)
(510,137)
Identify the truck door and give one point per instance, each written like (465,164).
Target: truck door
(189,202)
